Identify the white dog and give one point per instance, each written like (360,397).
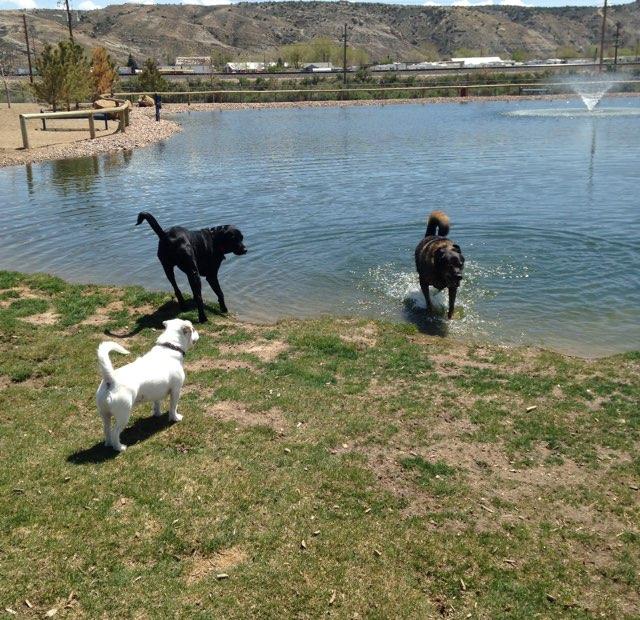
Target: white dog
(150,378)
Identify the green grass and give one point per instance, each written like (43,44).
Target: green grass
(413,468)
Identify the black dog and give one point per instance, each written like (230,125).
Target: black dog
(439,261)
(197,253)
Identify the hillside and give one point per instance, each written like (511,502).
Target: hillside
(256,30)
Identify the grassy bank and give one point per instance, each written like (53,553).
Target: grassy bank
(339,468)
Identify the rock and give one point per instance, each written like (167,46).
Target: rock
(101,104)
(146,102)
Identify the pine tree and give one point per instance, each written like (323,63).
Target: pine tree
(64,76)
(150,79)
(132,64)
(77,74)
(103,72)
(50,83)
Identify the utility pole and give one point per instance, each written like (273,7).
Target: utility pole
(615,58)
(26,36)
(66,4)
(604,21)
(344,56)
(6,86)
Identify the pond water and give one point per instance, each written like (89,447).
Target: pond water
(332,202)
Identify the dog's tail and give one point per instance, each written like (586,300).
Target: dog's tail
(103,359)
(438,221)
(143,215)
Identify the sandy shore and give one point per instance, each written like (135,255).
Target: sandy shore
(71,138)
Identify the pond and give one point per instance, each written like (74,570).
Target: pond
(332,202)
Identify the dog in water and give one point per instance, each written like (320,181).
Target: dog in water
(150,378)
(439,260)
(198,253)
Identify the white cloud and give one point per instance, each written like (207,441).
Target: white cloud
(88,5)
(468,3)
(513,3)
(25,4)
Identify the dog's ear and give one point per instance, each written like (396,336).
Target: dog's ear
(165,324)
(187,329)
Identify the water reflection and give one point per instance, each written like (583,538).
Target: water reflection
(592,157)
(70,176)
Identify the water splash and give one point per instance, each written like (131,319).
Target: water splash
(591,93)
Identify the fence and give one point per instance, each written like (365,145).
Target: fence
(120,111)
(380,92)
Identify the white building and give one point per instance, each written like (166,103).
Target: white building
(481,61)
(317,67)
(244,67)
(193,64)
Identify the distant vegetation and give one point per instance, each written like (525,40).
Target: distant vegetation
(66,77)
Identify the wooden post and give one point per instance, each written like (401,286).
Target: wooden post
(126,116)
(122,121)
(92,127)
(23,129)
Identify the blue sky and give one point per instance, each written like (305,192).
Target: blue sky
(94,4)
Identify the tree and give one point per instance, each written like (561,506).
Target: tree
(219,58)
(50,84)
(132,64)
(103,72)
(519,55)
(64,76)
(150,78)
(77,74)
(566,52)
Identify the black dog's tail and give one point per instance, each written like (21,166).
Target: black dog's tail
(438,221)
(143,215)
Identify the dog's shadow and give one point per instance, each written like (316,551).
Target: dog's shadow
(168,310)
(140,430)
(432,324)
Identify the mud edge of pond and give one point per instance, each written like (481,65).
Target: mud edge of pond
(143,130)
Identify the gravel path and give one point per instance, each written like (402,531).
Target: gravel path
(142,131)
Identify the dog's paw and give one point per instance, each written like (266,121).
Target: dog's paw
(224,309)
(203,319)
(120,448)
(175,418)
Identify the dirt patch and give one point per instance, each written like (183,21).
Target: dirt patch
(46,318)
(5,382)
(209,363)
(23,292)
(363,337)
(220,562)
(233,411)
(101,315)
(264,350)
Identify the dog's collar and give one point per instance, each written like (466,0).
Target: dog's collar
(173,347)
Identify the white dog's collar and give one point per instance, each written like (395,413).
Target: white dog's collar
(168,345)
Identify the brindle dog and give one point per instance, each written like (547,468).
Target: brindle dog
(439,261)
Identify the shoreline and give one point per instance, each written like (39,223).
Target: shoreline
(177,108)
(144,130)
(453,340)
